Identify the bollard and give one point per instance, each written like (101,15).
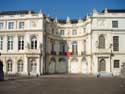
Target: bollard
(1,71)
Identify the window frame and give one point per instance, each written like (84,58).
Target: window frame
(10,41)
(20,42)
(116,64)
(115,43)
(11,25)
(21,25)
(1,25)
(61,32)
(114,24)
(34,42)
(1,43)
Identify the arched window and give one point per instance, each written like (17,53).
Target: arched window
(101,41)
(9,66)
(20,66)
(33,42)
(74,60)
(33,66)
(74,48)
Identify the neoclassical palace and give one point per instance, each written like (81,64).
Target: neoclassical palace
(34,44)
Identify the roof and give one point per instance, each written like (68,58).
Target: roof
(16,12)
(62,21)
(115,11)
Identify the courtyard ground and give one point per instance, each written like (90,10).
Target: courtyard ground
(64,84)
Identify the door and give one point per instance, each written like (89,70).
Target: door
(75,66)
(52,67)
(61,66)
(102,65)
(85,67)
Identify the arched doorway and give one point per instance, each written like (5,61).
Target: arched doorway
(102,65)
(75,66)
(1,71)
(84,66)
(52,66)
(33,67)
(20,66)
(61,66)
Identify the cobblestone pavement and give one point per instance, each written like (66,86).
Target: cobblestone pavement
(64,85)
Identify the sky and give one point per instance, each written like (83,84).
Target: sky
(62,8)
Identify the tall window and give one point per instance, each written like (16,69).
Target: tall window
(74,47)
(11,25)
(115,43)
(20,43)
(101,41)
(61,32)
(9,66)
(62,47)
(21,25)
(33,42)
(10,43)
(1,43)
(116,64)
(114,24)
(1,25)
(20,66)
(74,32)
(52,47)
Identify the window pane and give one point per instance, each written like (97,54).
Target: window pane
(115,43)
(116,63)
(11,25)
(10,43)
(114,24)
(21,43)
(1,42)
(21,25)
(101,42)
(1,25)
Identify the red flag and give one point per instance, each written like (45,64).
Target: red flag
(68,53)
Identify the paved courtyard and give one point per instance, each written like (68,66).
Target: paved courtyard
(64,85)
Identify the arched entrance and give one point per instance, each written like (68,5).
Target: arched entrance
(61,66)
(84,66)
(102,65)
(1,71)
(52,66)
(75,66)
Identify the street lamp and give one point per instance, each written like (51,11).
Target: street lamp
(111,55)
(41,49)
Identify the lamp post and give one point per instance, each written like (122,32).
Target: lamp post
(111,55)
(1,71)
(41,46)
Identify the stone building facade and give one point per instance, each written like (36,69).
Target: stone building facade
(34,44)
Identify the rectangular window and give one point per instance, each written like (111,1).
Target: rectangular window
(10,43)
(114,24)
(1,26)
(61,32)
(62,47)
(20,43)
(1,43)
(11,25)
(115,43)
(21,25)
(116,64)
(74,32)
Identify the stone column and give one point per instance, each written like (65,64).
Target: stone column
(26,65)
